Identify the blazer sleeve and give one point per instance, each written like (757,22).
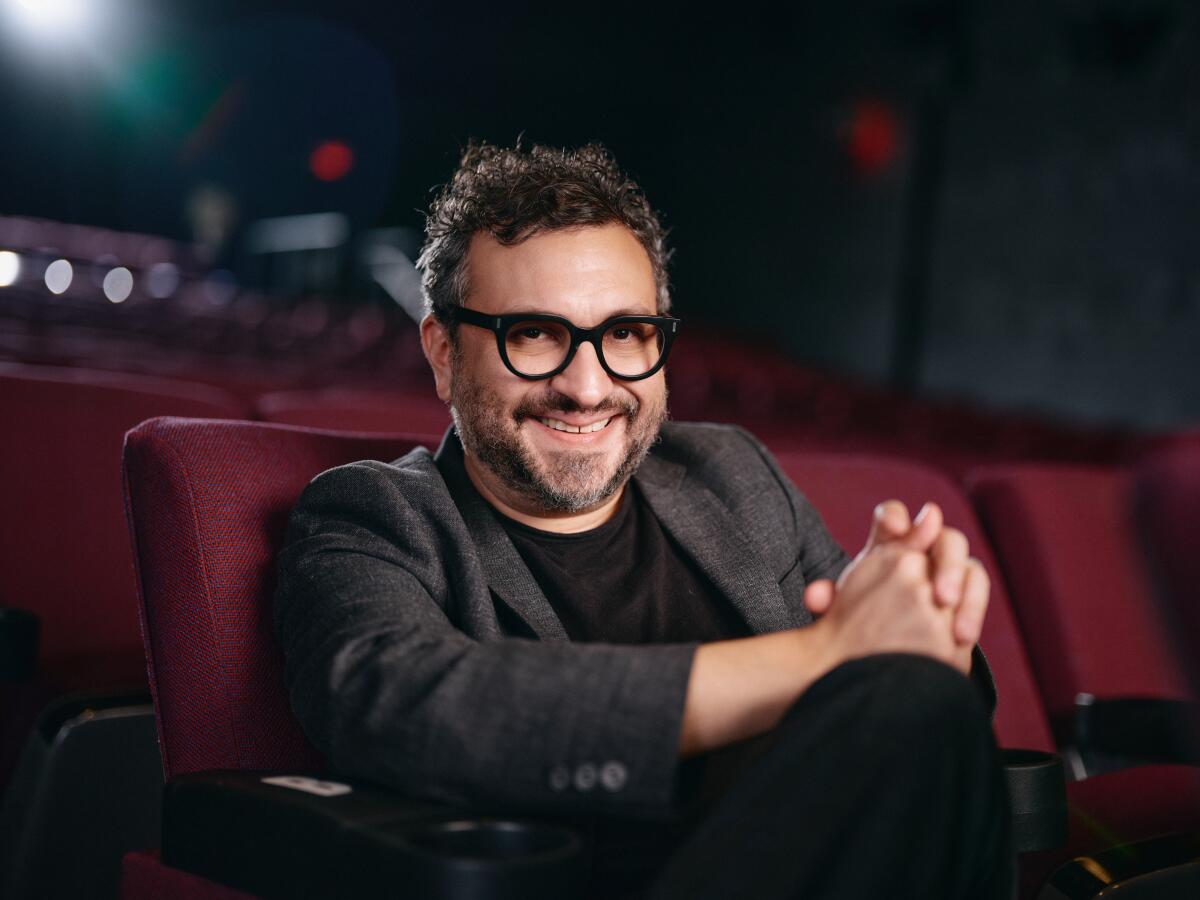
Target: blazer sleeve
(389,689)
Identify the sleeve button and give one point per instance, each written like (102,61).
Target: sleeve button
(613,776)
(560,779)
(585,777)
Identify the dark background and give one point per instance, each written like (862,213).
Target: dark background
(997,201)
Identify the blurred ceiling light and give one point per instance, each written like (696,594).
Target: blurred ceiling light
(10,268)
(162,280)
(393,271)
(118,284)
(290,234)
(58,276)
(331,160)
(50,18)
(872,137)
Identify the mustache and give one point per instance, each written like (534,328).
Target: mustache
(553,401)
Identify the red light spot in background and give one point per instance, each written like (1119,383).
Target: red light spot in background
(872,137)
(331,160)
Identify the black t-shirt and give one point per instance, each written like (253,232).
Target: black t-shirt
(626,582)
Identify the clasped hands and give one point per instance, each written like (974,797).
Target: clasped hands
(914,588)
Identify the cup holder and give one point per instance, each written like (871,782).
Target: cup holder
(493,840)
(1037,791)
(486,859)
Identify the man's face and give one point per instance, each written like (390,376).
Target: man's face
(508,423)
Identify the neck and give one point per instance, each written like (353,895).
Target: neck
(519,510)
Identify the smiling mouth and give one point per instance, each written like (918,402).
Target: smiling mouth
(559,425)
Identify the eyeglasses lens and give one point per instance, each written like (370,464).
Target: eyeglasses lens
(538,347)
(632,348)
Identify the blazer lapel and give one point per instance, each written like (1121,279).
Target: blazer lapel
(506,573)
(693,516)
(707,532)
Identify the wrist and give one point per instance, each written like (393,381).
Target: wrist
(821,652)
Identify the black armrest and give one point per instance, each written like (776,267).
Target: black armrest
(286,835)
(19,632)
(87,789)
(1122,732)
(1161,868)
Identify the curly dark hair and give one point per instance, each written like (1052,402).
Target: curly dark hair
(513,194)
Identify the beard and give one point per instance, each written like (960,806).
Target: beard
(564,481)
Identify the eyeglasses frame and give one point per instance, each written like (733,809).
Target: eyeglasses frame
(501,324)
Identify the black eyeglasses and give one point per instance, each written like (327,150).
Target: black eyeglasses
(539,345)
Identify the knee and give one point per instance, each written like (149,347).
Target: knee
(919,698)
(926,701)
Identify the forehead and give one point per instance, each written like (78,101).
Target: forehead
(586,274)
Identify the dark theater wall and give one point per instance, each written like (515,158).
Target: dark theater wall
(993,200)
(1065,271)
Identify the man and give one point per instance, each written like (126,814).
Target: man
(575,608)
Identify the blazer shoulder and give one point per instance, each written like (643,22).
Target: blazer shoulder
(413,473)
(721,452)
(406,490)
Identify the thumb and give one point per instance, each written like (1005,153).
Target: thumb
(818,596)
(889,522)
(925,528)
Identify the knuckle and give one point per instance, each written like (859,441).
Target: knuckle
(891,553)
(956,538)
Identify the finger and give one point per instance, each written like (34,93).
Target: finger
(818,596)
(926,526)
(949,554)
(889,522)
(963,658)
(972,608)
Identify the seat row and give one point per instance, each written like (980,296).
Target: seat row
(223,474)
(1072,609)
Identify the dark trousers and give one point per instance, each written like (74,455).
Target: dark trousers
(883,780)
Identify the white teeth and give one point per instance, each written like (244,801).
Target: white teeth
(574,429)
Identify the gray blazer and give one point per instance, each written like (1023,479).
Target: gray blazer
(421,653)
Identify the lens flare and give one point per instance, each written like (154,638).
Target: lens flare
(10,268)
(59,275)
(118,284)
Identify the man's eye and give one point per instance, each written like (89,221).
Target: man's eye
(531,334)
(622,334)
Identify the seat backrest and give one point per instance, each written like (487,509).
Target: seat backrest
(208,505)
(1066,542)
(846,489)
(64,550)
(348,409)
(1167,507)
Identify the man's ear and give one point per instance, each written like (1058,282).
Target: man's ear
(435,341)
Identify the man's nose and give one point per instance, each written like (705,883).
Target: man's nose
(584,380)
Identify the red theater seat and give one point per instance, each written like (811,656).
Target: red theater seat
(64,548)
(414,410)
(1071,557)
(208,504)
(1168,516)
